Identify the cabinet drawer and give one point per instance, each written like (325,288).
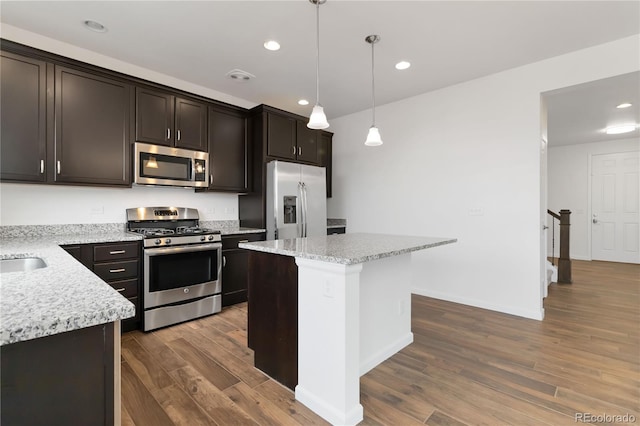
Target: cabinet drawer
(115,271)
(127,288)
(109,252)
(231,241)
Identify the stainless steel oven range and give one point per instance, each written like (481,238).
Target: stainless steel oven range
(182,266)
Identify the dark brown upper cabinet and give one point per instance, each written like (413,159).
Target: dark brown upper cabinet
(164,119)
(92,119)
(325,158)
(281,136)
(228,150)
(307,143)
(23,122)
(290,139)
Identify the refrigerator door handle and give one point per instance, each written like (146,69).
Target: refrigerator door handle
(306,206)
(300,224)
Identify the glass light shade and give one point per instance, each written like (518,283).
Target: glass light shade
(373,138)
(318,120)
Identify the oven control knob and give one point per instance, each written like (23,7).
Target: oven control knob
(186,290)
(210,237)
(167,241)
(157,242)
(203,238)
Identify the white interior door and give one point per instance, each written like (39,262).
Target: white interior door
(615,188)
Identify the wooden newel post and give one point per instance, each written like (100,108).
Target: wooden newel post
(564,261)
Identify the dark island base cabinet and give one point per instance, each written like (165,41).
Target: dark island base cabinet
(235,263)
(118,264)
(64,379)
(273,315)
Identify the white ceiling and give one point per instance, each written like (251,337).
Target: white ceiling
(579,114)
(447,42)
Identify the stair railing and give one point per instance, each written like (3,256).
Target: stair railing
(564,261)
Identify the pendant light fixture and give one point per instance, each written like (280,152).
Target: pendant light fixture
(373,137)
(318,120)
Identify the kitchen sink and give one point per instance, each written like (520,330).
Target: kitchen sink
(21,265)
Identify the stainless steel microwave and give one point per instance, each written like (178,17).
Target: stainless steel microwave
(163,165)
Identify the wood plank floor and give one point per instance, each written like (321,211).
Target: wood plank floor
(467,366)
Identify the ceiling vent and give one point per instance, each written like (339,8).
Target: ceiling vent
(240,75)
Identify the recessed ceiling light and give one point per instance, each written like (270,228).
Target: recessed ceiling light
(95,26)
(624,105)
(403,65)
(303,102)
(271,45)
(616,130)
(240,75)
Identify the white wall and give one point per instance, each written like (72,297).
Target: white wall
(464,162)
(26,204)
(569,168)
(23,204)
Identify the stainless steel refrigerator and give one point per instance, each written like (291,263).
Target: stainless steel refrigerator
(296,201)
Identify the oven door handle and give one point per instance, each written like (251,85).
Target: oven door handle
(181,249)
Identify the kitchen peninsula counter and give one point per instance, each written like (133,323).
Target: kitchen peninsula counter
(63,296)
(325,310)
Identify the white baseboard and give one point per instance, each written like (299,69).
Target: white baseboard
(327,411)
(531,314)
(380,356)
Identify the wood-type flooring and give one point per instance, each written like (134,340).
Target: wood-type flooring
(467,366)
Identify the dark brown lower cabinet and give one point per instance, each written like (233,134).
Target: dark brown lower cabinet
(235,264)
(119,265)
(64,379)
(273,315)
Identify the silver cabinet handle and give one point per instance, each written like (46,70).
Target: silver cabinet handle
(178,135)
(211,179)
(58,166)
(168,133)
(41,166)
(117,252)
(293,150)
(120,290)
(299,150)
(243,241)
(115,271)
(224,261)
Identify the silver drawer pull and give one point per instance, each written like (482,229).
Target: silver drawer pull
(115,271)
(243,241)
(117,252)
(168,134)
(178,134)
(224,261)
(41,166)
(120,290)
(58,165)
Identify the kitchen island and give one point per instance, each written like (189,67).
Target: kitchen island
(325,310)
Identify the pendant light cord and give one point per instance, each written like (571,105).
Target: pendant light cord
(373,85)
(317,52)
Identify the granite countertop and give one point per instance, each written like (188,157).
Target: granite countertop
(63,296)
(347,249)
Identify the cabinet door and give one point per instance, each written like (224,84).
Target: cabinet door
(234,276)
(227,151)
(92,125)
(154,117)
(23,118)
(191,125)
(281,137)
(307,142)
(324,156)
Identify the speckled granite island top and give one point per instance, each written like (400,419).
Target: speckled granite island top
(347,249)
(63,296)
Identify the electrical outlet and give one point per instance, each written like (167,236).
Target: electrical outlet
(328,289)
